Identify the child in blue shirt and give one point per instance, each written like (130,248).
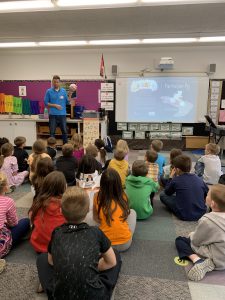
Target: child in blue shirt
(185,193)
(157,146)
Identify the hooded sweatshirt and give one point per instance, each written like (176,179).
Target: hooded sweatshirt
(208,239)
(122,167)
(44,224)
(138,190)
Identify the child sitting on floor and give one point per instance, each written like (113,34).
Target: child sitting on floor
(39,149)
(102,154)
(92,150)
(11,230)
(157,146)
(80,262)
(3,140)
(20,153)
(51,147)
(78,150)
(210,164)
(88,174)
(9,166)
(185,193)
(139,188)
(44,167)
(45,213)
(168,168)
(119,164)
(67,164)
(153,167)
(205,247)
(122,145)
(111,210)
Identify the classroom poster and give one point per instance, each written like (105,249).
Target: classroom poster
(90,131)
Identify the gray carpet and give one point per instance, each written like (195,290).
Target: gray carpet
(148,269)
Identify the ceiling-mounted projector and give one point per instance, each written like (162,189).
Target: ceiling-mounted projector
(166,63)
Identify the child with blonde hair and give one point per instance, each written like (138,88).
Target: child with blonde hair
(80,262)
(9,166)
(77,143)
(211,164)
(11,230)
(39,151)
(123,146)
(119,164)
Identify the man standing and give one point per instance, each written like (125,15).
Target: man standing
(56,100)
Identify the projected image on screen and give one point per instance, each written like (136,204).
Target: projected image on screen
(162,99)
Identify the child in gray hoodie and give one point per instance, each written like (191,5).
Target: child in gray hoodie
(205,247)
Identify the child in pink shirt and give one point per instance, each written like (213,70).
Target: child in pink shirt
(78,151)
(9,166)
(11,230)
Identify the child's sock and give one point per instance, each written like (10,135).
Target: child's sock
(198,260)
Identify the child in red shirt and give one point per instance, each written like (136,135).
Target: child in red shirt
(45,212)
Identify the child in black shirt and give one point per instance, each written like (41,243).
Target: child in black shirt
(51,147)
(20,153)
(84,264)
(67,164)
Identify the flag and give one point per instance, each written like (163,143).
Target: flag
(102,67)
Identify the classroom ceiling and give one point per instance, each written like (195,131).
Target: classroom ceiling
(153,21)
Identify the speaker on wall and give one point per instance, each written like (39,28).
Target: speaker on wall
(114,70)
(212,68)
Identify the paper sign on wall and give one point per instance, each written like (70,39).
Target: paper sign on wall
(22,91)
(107,96)
(223,103)
(107,87)
(91,131)
(215,83)
(107,105)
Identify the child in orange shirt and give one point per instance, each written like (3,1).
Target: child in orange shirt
(111,210)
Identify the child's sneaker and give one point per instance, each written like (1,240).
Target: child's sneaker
(2,265)
(200,268)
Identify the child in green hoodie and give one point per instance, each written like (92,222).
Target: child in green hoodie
(139,188)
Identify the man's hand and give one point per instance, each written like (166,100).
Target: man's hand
(59,107)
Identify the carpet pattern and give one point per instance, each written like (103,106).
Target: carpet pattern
(148,269)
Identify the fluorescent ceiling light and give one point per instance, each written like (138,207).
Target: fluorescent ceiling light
(212,39)
(115,42)
(94,2)
(25,5)
(18,45)
(63,43)
(169,41)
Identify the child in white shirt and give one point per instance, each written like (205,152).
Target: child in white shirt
(211,163)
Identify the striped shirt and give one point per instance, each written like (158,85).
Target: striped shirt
(7,212)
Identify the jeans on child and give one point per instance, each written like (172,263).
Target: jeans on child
(183,246)
(20,230)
